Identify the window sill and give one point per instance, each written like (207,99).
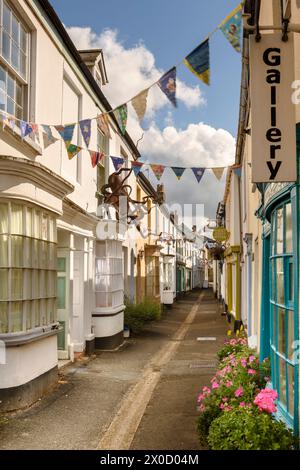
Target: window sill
(17,339)
(28,141)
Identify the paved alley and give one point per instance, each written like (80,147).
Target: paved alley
(140,397)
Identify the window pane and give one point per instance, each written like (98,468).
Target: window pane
(10,106)
(282,382)
(15,29)
(36,312)
(19,99)
(3,218)
(16,317)
(6,46)
(6,18)
(43,311)
(2,79)
(28,314)
(291,334)
(23,64)
(3,250)
(27,284)
(279,280)
(35,284)
(16,219)
(10,87)
(29,222)
(3,317)
(51,310)
(16,285)
(61,292)
(2,101)
(37,224)
(23,39)
(279,244)
(61,264)
(291,281)
(16,251)
(288,229)
(281,333)
(291,389)
(44,227)
(3,284)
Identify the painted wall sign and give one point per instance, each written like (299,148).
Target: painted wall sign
(273,132)
(220,234)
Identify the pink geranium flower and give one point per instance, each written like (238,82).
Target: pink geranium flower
(265,400)
(200,397)
(244,363)
(229,383)
(215,385)
(251,371)
(252,359)
(239,392)
(202,408)
(225,399)
(242,404)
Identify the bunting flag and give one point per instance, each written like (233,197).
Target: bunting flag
(35,132)
(139,103)
(218,172)
(6,121)
(121,116)
(85,127)
(231,27)
(238,171)
(66,132)
(96,157)
(167,84)
(118,162)
(48,137)
(198,62)
(136,166)
(198,172)
(73,150)
(178,171)
(158,170)
(25,128)
(102,122)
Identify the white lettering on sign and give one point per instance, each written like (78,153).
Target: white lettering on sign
(273,124)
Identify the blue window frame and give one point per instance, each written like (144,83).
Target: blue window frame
(283,310)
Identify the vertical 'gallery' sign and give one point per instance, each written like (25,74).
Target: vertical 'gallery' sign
(273,133)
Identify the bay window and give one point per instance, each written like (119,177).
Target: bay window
(14,61)
(27,267)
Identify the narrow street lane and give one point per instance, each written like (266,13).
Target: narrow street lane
(141,397)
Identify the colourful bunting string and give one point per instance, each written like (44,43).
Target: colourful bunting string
(158,170)
(102,122)
(73,150)
(218,172)
(118,162)
(26,129)
(121,116)
(167,84)
(198,172)
(198,62)
(178,171)
(96,157)
(231,27)
(85,127)
(136,166)
(139,103)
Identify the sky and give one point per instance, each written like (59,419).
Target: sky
(141,40)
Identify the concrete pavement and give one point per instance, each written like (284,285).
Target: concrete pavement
(149,388)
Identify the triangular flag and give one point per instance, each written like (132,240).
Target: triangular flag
(136,166)
(158,170)
(139,103)
(96,157)
(48,137)
(102,121)
(238,171)
(218,172)
(35,132)
(231,27)
(73,150)
(118,162)
(167,84)
(66,132)
(25,128)
(198,62)
(85,127)
(178,171)
(198,172)
(121,116)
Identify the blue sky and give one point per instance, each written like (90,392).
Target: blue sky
(170,30)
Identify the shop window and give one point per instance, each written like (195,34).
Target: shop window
(282,309)
(27,268)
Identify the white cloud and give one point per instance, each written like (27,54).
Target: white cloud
(130,70)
